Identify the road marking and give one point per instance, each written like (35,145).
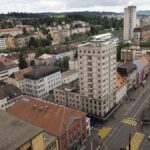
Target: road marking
(141,106)
(136,102)
(136,141)
(129,121)
(103,133)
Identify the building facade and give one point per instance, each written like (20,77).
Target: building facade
(68,125)
(41,81)
(3,72)
(17,78)
(69,76)
(24,136)
(121,89)
(97,72)
(129,72)
(8,95)
(133,53)
(2,43)
(129,22)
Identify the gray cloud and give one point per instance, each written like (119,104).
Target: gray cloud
(68,5)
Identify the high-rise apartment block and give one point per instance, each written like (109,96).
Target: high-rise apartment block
(97,69)
(130,22)
(97,78)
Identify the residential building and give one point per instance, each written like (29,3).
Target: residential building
(143,60)
(133,52)
(126,54)
(8,95)
(19,135)
(146,33)
(97,73)
(11,31)
(64,53)
(137,35)
(28,28)
(139,52)
(11,67)
(8,66)
(73,64)
(130,21)
(140,72)
(17,78)
(80,27)
(55,35)
(41,81)
(69,76)
(3,72)
(68,125)
(2,43)
(22,41)
(69,95)
(29,56)
(38,34)
(45,59)
(7,41)
(121,89)
(128,71)
(64,33)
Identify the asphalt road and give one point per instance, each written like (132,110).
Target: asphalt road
(119,137)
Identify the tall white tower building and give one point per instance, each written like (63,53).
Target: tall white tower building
(97,68)
(129,22)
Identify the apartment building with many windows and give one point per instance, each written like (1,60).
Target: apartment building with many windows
(130,21)
(97,73)
(41,81)
(97,78)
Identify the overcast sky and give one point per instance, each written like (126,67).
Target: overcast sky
(69,5)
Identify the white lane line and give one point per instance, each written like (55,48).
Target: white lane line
(141,106)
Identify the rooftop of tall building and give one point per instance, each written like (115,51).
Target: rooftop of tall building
(41,71)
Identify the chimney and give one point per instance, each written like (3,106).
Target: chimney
(34,106)
(45,108)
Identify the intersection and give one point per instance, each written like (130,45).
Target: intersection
(114,134)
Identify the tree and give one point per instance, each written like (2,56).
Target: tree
(66,62)
(32,63)
(33,42)
(22,61)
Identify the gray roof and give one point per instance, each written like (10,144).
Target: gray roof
(10,91)
(41,71)
(71,87)
(15,132)
(128,66)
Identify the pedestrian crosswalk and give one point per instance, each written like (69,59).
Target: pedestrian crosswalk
(103,133)
(129,121)
(136,141)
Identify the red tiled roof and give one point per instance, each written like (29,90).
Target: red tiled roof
(54,119)
(120,81)
(20,74)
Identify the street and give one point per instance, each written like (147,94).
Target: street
(126,121)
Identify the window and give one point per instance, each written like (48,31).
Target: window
(89,57)
(29,148)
